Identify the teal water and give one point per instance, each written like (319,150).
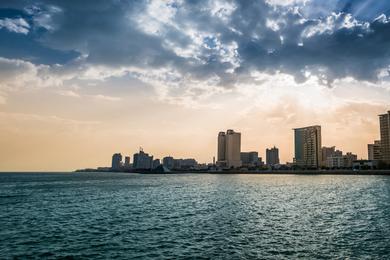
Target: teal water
(103,215)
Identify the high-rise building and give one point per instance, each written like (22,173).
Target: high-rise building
(384,121)
(308,146)
(177,164)
(142,160)
(229,149)
(233,149)
(374,151)
(249,159)
(116,162)
(272,156)
(156,163)
(169,162)
(221,156)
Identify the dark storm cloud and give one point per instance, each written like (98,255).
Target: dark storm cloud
(204,39)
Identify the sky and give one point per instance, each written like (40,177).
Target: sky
(81,80)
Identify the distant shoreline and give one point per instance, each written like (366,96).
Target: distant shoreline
(296,172)
(291,172)
(308,172)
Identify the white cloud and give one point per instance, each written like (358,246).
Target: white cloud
(105,97)
(273,25)
(222,9)
(16,75)
(68,93)
(43,17)
(333,23)
(99,72)
(3,99)
(382,18)
(157,16)
(17,25)
(287,2)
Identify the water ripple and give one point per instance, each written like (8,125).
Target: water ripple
(100,216)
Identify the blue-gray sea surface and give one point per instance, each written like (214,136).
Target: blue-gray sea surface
(126,216)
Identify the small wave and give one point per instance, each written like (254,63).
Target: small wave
(13,196)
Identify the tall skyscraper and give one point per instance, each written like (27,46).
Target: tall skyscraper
(229,149)
(221,147)
(272,156)
(374,151)
(233,149)
(116,162)
(308,146)
(384,121)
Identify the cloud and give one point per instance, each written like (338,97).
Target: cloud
(19,75)
(286,2)
(105,98)
(42,15)
(68,93)
(19,122)
(17,25)
(3,98)
(189,49)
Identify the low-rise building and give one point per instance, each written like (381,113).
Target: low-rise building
(365,164)
(328,152)
(343,161)
(249,159)
(349,158)
(335,161)
(188,163)
(179,164)
(374,151)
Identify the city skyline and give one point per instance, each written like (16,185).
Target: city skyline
(309,153)
(79,82)
(262,152)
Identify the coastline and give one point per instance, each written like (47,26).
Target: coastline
(281,172)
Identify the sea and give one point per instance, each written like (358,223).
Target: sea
(196,216)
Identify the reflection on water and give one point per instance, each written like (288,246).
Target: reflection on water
(101,215)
